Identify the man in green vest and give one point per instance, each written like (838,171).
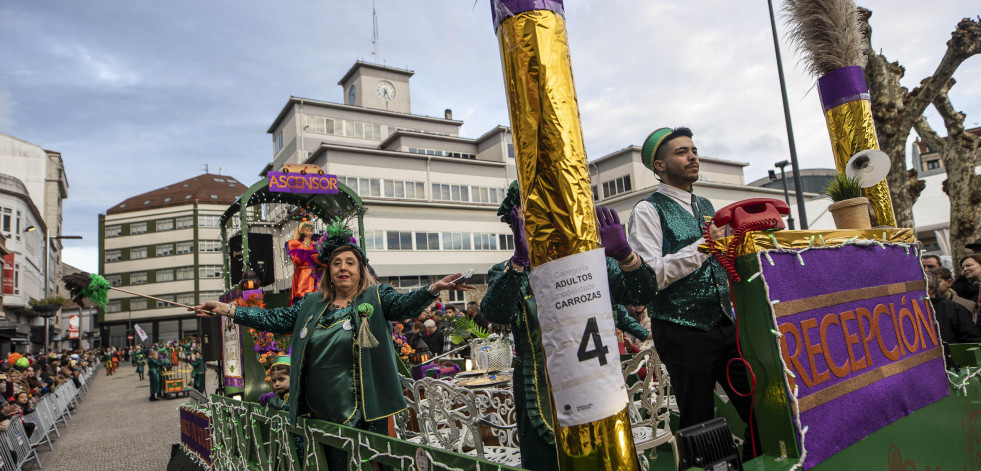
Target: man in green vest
(691,315)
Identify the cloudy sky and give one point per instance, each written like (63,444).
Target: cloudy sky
(139,94)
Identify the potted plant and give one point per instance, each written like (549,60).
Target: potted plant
(47,307)
(849,208)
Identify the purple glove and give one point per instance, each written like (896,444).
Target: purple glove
(264,399)
(611,234)
(520,256)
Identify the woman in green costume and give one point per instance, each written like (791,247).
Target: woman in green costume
(509,300)
(342,364)
(154,364)
(198,368)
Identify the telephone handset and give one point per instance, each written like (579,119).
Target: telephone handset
(753,214)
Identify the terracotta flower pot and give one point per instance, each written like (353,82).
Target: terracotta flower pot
(851,213)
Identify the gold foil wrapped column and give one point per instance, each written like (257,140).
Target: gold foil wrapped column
(562,232)
(848,112)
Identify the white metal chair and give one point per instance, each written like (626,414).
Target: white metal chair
(647,404)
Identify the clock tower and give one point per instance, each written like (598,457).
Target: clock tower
(377,86)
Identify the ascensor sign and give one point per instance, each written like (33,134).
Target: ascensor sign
(859,337)
(295,182)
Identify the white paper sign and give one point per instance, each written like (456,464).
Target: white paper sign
(231,353)
(140,332)
(576,315)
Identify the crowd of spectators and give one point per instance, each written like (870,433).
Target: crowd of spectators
(26,378)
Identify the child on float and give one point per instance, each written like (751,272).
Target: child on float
(279,380)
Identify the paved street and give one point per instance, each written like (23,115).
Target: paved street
(116,427)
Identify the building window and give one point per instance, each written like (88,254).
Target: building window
(186,298)
(114,231)
(373,240)
(137,304)
(487,195)
(933,164)
(165,250)
(209,246)
(278,142)
(16,278)
(505,241)
(208,221)
(456,241)
(454,296)
(320,124)
(114,280)
(427,241)
(168,297)
(114,306)
(616,186)
(137,278)
(137,228)
(404,189)
(185,273)
(595,193)
(185,247)
(442,153)
(164,224)
(185,222)
(114,255)
(484,241)
(210,271)
(399,240)
(136,253)
(445,192)
(510,151)
(166,274)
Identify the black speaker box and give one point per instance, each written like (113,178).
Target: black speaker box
(708,445)
(260,257)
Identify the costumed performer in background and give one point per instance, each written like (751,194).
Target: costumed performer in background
(509,301)
(307,267)
(140,362)
(154,363)
(198,368)
(341,333)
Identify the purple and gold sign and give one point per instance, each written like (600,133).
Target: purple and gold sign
(314,183)
(859,336)
(195,433)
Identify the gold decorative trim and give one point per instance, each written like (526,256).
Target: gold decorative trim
(858,382)
(788,308)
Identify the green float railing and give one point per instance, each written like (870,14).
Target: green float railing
(247,436)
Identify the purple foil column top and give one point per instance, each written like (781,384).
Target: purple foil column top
(504,9)
(841,86)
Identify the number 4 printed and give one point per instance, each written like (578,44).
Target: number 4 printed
(600,351)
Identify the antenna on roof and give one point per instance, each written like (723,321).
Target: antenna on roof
(374,32)
(205,168)
(219,168)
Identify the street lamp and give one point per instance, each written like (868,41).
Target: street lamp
(786,195)
(47,255)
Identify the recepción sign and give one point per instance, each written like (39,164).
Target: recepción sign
(293,182)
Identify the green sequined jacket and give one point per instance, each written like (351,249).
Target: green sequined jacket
(379,391)
(509,300)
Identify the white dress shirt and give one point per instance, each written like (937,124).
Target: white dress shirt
(646,238)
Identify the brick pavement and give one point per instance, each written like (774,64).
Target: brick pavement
(116,427)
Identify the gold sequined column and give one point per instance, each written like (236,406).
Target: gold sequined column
(593,430)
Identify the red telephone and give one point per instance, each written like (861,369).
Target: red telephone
(753,214)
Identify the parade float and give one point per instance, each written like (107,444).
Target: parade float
(848,369)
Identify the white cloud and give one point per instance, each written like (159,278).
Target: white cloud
(85,258)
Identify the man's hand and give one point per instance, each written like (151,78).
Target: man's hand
(716,232)
(612,235)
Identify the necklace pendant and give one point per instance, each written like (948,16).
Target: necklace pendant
(303,332)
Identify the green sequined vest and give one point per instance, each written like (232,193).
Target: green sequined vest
(700,299)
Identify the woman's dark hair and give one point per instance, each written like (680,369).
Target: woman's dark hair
(280,368)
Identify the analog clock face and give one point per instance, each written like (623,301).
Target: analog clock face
(385,90)
(351,94)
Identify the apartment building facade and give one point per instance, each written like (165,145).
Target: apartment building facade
(164,243)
